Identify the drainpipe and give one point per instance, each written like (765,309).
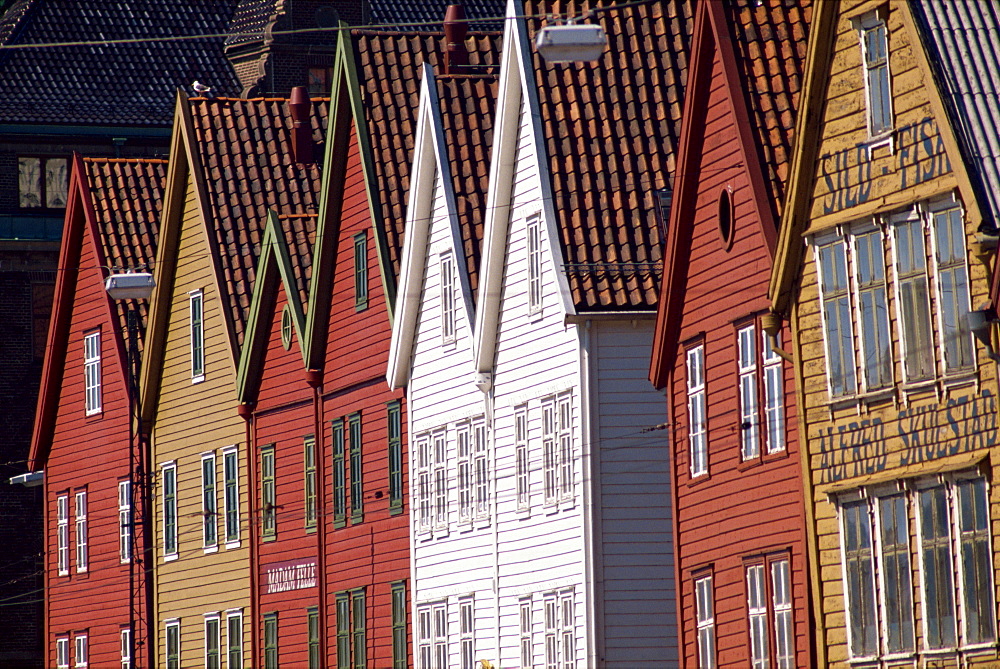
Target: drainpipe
(771,324)
(245,412)
(314,377)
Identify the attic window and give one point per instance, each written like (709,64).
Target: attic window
(727,227)
(286,327)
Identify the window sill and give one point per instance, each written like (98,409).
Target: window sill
(96,413)
(197,379)
(749,463)
(232,545)
(268,538)
(311,530)
(698,480)
(959,379)
(211,549)
(170,558)
(921,386)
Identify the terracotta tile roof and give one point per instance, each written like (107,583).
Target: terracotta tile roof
(245,151)
(467,107)
(430,13)
(127,197)
(112,84)
(300,238)
(611,134)
(388,67)
(770,37)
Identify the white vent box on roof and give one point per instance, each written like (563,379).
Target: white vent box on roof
(131,286)
(571,43)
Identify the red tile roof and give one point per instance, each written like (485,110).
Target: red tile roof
(611,135)
(245,152)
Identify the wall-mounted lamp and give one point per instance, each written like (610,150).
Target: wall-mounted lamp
(980,323)
(130,286)
(28,480)
(571,43)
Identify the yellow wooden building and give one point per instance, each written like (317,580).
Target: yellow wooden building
(880,261)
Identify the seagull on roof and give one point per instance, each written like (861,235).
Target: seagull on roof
(201,89)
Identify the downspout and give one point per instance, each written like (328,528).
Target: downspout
(314,377)
(484,381)
(771,324)
(674,523)
(245,412)
(590,490)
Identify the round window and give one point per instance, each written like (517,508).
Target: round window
(286,327)
(726,225)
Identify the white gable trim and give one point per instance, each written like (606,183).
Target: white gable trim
(430,162)
(517,83)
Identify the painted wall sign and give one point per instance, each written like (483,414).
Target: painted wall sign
(291,575)
(852,177)
(915,435)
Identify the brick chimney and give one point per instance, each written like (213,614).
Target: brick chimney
(300,109)
(456,57)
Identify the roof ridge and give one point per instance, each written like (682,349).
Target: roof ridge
(99,159)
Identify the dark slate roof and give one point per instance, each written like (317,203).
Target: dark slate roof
(244,147)
(116,84)
(249,21)
(467,106)
(389,69)
(770,37)
(430,13)
(127,197)
(963,40)
(611,136)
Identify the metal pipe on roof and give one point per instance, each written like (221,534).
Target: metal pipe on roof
(300,109)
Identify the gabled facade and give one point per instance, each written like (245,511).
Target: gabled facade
(84,439)
(878,265)
(741,568)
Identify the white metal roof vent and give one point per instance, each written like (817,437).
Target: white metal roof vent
(130,286)
(572,43)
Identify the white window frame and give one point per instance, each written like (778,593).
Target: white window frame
(567,628)
(62,534)
(80,507)
(848,357)
(697,402)
(480,469)
(92,372)
(521,456)
(783,620)
(467,631)
(171,627)
(448,297)
(431,633)
(234,616)
(168,470)
(62,653)
(952,586)
(423,486)
(439,448)
(125,521)
(80,660)
(962,298)
(774,395)
(208,619)
(870,23)
(550,607)
(196,312)
(533,232)
(550,459)
(209,503)
(857,290)
(705,621)
(526,645)
(231,496)
(564,428)
(757,612)
(746,347)
(126,648)
(898,220)
(464,472)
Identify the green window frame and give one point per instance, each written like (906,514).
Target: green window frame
(196,307)
(210,537)
(310,481)
(173,644)
(399,658)
(170,510)
(394,430)
(270,641)
(357,475)
(312,632)
(339,475)
(343,631)
(361,271)
(358,631)
(230,466)
(268,496)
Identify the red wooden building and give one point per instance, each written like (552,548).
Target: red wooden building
(82,429)
(740,563)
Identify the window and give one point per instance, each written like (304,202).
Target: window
(565,428)
(212,642)
(234,639)
(869,271)
(440,481)
(705,621)
(399,659)
(432,636)
(769,613)
(230,473)
(560,630)
(62,653)
(567,621)
(357,469)
(534,228)
(351,632)
(752,412)
(473,472)
(749,425)
(125,521)
(953,288)
(836,311)
(781,598)
(62,534)
(92,372)
(774,396)
(196,308)
(523,481)
(464,469)
(172,642)
(81,531)
(875,50)
(467,624)
(447,270)
(339,475)
(358,642)
(286,327)
(270,641)
(527,639)
(126,648)
(913,305)
(757,610)
(557,449)
(268,493)
(320,80)
(80,654)
(361,271)
(169,473)
(431,484)
(209,532)
(312,636)
(310,481)
(697,437)
(395,437)
(422,485)
(42,182)
(343,631)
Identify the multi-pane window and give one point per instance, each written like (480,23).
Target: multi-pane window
(975,561)
(550,456)
(312,637)
(527,645)
(837,318)
(705,621)
(196,308)
(231,494)
(209,532)
(422,485)
(268,493)
(234,639)
(757,611)
(213,644)
(126,648)
(769,613)
(440,480)
(781,600)
(339,474)
(125,521)
(565,435)
(534,231)
(875,52)
(399,659)
(81,531)
(309,480)
(752,412)
(557,449)
(697,436)
(914,308)
(343,630)
(467,631)
(351,630)
(169,478)
(62,534)
(567,631)
(480,468)
(953,288)
(897,604)
(92,372)
(859,571)
(521,474)
(42,182)
(446,265)
(873,310)
(361,271)
(62,653)
(430,488)
(551,611)
(774,396)
(560,630)
(395,437)
(270,641)
(463,437)
(357,469)
(432,636)
(172,643)
(80,651)
(749,423)
(938,584)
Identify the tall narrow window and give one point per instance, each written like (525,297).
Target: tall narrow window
(395,439)
(399,659)
(196,307)
(80,656)
(480,466)
(939,589)
(859,570)
(310,481)
(953,289)
(234,640)
(523,481)
(774,396)
(209,516)
(361,271)
(268,493)
(551,606)
(897,606)
(527,640)
(422,485)
(550,454)
(757,610)
(565,427)
(312,637)
(357,469)
(567,630)
(976,561)
(781,595)
(172,643)
(213,644)
(876,58)
(440,636)
(343,631)
(534,230)
(467,637)
(62,653)
(62,533)
(837,318)
(463,437)
(914,305)
(339,474)
(447,279)
(697,437)
(126,648)
(705,621)
(81,531)
(440,481)
(424,639)
(359,644)
(169,474)
(876,352)
(749,427)
(92,372)
(124,521)
(271,641)
(230,462)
